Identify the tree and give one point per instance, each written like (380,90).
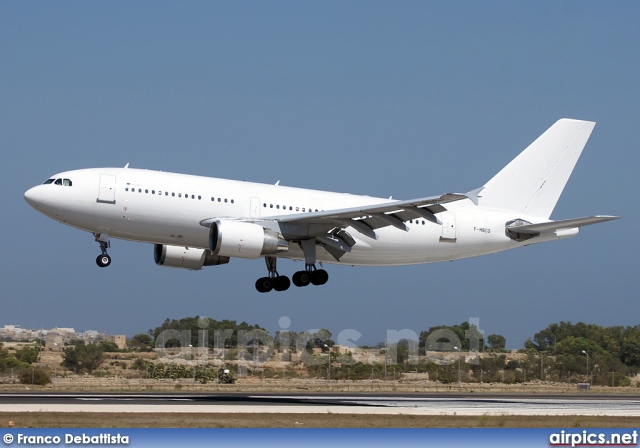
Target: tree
(142,342)
(9,362)
(465,333)
(108,346)
(497,341)
(193,324)
(399,352)
(28,354)
(83,357)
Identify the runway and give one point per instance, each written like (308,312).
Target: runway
(407,404)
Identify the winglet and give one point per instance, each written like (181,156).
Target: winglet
(474,195)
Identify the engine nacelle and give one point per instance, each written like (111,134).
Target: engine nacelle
(244,240)
(186,257)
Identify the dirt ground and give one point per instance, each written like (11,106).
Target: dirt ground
(134,420)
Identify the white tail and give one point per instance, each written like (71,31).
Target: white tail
(533,182)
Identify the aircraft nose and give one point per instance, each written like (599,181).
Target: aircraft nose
(32,196)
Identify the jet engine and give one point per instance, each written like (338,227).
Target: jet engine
(244,240)
(186,257)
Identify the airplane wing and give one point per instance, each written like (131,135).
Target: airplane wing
(327,227)
(552,226)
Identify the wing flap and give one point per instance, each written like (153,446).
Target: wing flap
(366,219)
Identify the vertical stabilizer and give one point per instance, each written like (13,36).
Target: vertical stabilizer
(533,181)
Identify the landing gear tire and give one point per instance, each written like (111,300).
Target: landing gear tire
(264,284)
(319,277)
(103,260)
(301,278)
(281,283)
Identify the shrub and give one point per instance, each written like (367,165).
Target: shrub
(226,375)
(35,376)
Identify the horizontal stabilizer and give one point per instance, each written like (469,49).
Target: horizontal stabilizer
(551,226)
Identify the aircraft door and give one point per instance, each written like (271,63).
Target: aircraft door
(254,212)
(107,192)
(448,220)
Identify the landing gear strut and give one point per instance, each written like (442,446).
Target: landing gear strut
(310,274)
(104,259)
(273,280)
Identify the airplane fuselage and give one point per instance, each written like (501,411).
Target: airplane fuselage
(168,208)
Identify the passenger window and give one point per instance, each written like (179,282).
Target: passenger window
(153,191)
(212,199)
(179,195)
(232,201)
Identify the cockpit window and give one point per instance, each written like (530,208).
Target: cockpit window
(65,182)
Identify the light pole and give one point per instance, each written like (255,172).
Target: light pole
(583,351)
(459,377)
(40,347)
(193,361)
(329,363)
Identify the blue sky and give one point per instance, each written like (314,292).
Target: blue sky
(402,99)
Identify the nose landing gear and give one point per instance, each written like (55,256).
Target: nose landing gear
(104,259)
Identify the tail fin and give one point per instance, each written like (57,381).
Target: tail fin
(533,181)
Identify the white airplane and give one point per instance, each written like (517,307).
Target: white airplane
(199,221)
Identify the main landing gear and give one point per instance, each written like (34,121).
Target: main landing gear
(104,259)
(310,275)
(273,280)
(281,282)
